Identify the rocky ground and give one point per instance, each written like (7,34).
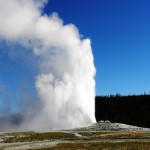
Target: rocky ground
(102,135)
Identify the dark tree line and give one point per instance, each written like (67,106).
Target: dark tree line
(133,110)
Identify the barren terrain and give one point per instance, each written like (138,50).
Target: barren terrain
(103,135)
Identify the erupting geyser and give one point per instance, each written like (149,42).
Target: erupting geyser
(65,79)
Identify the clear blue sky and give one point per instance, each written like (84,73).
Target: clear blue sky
(120,34)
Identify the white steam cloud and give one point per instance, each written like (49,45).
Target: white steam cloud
(65,80)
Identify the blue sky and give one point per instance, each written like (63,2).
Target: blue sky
(120,34)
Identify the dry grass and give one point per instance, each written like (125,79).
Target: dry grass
(92,140)
(34,136)
(100,146)
(129,135)
(90,134)
(116,135)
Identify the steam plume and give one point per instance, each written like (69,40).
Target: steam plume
(65,78)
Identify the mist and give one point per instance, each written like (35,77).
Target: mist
(62,63)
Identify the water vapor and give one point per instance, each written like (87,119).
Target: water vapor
(64,80)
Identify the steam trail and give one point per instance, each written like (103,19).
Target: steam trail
(65,80)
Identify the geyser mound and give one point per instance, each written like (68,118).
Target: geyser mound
(64,80)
